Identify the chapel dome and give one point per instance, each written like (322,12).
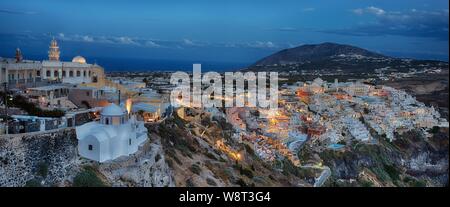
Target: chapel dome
(79,59)
(112,110)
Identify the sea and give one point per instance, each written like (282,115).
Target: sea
(141,65)
(113,64)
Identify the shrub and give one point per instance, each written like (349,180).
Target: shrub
(392,171)
(33,183)
(157,157)
(211,182)
(434,130)
(241,183)
(42,169)
(419,183)
(210,156)
(246,172)
(366,183)
(195,169)
(88,178)
(189,183)
(32,109)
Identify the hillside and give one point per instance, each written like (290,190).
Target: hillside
(316,52)
(332,57)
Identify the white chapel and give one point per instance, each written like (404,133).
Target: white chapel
(116,134)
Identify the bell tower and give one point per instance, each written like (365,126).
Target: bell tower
(19,56)
(53,52)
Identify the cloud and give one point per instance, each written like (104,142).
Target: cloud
(191,43)
(7,11)
(152,44)
(375,10)
(88,39)
(369,10)
(259,44)
(287,29)
(188,42)
(126,41)
(309,9)
(411,23)
(167,44)
(358,11)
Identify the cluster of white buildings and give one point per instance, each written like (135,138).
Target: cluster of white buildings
(359,108)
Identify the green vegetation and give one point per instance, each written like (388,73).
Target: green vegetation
(189,183)
(434,130)
(419,183)
(176,138)
(392,171)
(211,182)
(413,182)
(88,178)
(195,169)
(241,183)
(42,169)
(366,183)
(33,183)
(210,156)
(31,108)
(157,157)
(243,171)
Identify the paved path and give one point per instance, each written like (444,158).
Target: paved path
(323,177)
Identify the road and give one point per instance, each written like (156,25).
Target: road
(323,177)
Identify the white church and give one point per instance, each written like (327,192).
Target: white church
(115,135)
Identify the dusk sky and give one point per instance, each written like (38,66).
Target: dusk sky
(223,31)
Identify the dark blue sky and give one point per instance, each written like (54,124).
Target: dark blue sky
(224,31)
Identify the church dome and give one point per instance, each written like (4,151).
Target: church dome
(79,59)
(112,110)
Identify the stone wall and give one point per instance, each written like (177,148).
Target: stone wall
(22,158)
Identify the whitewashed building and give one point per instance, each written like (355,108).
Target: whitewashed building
(18,72)
(115,135)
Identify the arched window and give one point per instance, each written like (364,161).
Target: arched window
(55,73)
(70,73)
(64,73)
(89,73)
(84,73)
(78,73)
(48,73)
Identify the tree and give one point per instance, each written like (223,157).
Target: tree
(145,80)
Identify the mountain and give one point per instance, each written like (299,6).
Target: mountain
(331,57)
(316,52)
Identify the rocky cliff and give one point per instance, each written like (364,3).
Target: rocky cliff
(411,160)
(51,159)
